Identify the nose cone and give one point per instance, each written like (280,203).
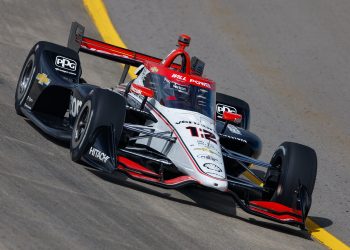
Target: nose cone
(199,137)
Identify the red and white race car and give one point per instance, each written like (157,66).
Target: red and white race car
(167,127)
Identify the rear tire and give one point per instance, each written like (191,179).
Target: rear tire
(293,165)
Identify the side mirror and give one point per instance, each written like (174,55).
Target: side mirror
(142,90)
(232,117)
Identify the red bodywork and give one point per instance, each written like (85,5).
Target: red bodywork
(166,67)
(276,210)
(142,173)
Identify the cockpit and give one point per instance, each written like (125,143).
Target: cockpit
(183,96)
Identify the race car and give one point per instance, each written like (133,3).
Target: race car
(167,127)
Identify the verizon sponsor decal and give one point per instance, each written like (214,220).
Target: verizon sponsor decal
(201,124)
(180,88)
(98,154)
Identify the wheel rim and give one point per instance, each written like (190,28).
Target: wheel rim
(273,177)
(26,78)
(81,125)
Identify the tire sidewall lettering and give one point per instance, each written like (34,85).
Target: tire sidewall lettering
(75,105)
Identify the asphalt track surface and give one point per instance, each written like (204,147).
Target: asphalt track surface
(289,60)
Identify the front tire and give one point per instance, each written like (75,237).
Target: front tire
(293,166)
(25,81)
(102,109)
(82,131)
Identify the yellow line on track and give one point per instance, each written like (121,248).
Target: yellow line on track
(323,236)
(98,12)
(108,32)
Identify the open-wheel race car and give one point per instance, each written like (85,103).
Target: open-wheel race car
(167,127)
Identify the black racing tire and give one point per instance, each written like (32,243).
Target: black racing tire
(293,165)
(102,108)
(241,106)
(25,80)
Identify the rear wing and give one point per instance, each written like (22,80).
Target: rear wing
(78,42)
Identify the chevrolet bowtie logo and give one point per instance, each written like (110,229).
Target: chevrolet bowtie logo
(43,79)
(154,69)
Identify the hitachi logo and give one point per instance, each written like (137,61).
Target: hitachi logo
(98,154)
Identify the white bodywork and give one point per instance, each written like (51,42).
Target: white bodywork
(196,156)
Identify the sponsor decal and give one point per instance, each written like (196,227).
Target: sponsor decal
(191,80)
(180,88)
(43,80)
(75,105)
(154,69)
(207,157)
(203,133)
(194,123)
(29,99)
(179,77)
(234,129)
(235,138)
(212,167)
(221,108)
(208,150)
(136,109)
(206,144)
(66,71)
(98,154)
(66,63)
(201,84)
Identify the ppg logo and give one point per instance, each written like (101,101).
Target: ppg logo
(221,108)
(66,63)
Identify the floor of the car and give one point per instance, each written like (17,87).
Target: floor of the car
(54,121)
